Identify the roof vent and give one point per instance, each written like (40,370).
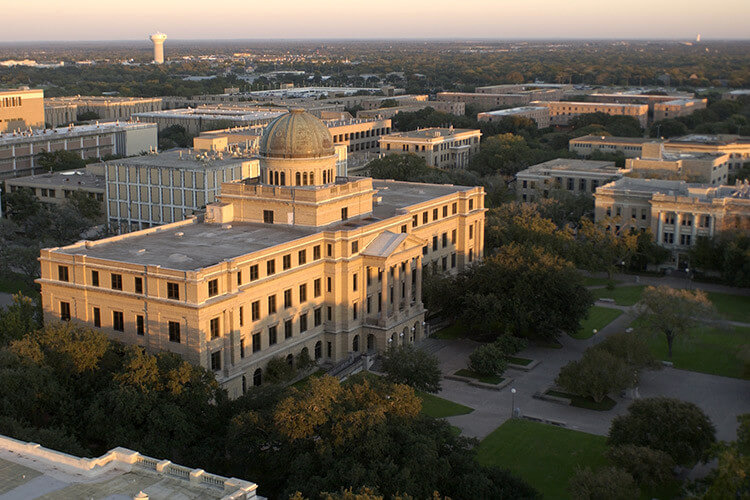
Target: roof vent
(142,250)
(226,226)
(179,234)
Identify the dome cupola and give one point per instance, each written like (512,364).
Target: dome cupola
(296,135)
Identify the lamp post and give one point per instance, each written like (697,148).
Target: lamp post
(512,401)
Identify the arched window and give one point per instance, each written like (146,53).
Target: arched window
(312,178)
(290,360)
(257,377)
(244,385)
(355,343)
(318,349)
(298,183)
(304,178)
(283,179)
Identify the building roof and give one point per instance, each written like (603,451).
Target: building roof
(568,164)
(430,133)
(185,159)
(99,99)
(248,114)
(513,111)
(296,134)
(611,139)
(639,185)
(36,135)
(79,179)
(710,139)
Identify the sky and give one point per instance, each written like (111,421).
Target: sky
(73,20)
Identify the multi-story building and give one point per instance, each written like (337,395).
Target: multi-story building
(580,177)
(539,114)
(359,134)
(705,168)
(677,213)
(630,147)
(737,147)
(561,112)
(510,88)
(145,191)
(197,120)
(56,187)
(486,102)
(637,97)
(677,107)
(245,138)
(440,147)
(61,111)
(18,151)
(454,108)
(294,261)
(21,109)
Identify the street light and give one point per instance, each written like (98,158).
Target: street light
(512,401)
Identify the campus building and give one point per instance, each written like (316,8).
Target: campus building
(62,111)
(539,114)
(440,147)
(677,107)
(705,168)
(580,177)
(630,147)
(56,187)
(197,120)
(295,261)
(18,151)
(455,108)
(21,109)
(651,100)
(486,102)
(358,134)
(561,112)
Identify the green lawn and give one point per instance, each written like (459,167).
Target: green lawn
(598,318)
(544,455)
(519,361)
(438,407)
(605,404)
(451,332)
(623,295)
(708,349)
(302,383)
(731,307)
(487,379)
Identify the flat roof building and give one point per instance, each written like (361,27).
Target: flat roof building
(678,107)
(294,261)
(454,108)
(580,177)
(737,147)
(18,151)
(62,111)
(440,147)
(539,114)
(487,101)
(509,88)
(197,120)
(21,109)
(705,168)
(630,147)
(56,187)
(561,112)
(638,97)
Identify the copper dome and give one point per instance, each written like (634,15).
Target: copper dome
(297,134)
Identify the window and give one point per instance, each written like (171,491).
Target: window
(318,350)
(471,231)
(445,240)
(403,228)
(445,211)
(329,313)
(242,348)
(434,243)
(95,278)
(328,284)
(316,288)
(239,278)
(255,310)
(354,282)
(116,281)
(316,252)
(97,317)
(318,316)
(303,322)
(329,250)
(344,213)
(118,323)
(414,220)
(256,342)
(445,263)
(174,331)
(173,291)
(453,260)
(471,204)
(288,298)
(242,315)
(329,349)
(453,236)
(213,287)
(286,261)
(272,335)
(140,327)
(216,361)
(303,293)
(355,247)
(214,328)
(272,304)
(424,217)
(62,273)
(254,272)
(138,284)
(355,310)
(454,208)
(288,329)
(268,216)
(270,267)
(65,311)
(302,257)
(434,214)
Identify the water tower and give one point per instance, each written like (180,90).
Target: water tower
(158,39)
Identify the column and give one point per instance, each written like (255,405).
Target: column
(408,283)
(384,295)
(677,226)
(711,225)
(694,227)
(418,277)
(660,229)
(396,286)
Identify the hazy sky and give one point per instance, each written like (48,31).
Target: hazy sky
(216,19)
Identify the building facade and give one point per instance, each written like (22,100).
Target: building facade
(630,147)
(62,111)
(440,147)
(580,177)
(294,262)
(454,108)
(677,107)
(197,120)
(21,109)
(737,147)
(359,134)
(705,168)
(539,114)
(561,112)
(56,187)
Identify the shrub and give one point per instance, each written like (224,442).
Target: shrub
(278,370)
(648,467)
(488,359)
(679,428)
(595,375)
(303,359)
(407,365)
(609,483)
(510,345)
(630,348)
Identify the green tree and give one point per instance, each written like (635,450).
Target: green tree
(60,160)
(731,478)
(609,483)
(649,468)
(413,367)
(18,318)
(630,348)
(668,128)
(505,154)
(488,359)
(597,374)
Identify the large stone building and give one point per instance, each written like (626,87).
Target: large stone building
(21,109)
(630,147)
(440,147)
(486,102)
(580,177)
(561,112)
(62,111)
(294,261)
(454,108)
(708,168)
(18,151)
(197,120)
(359,134)
(677,107)
(677,213)
(651,100)
(539,114)
(737,147)
(56,187)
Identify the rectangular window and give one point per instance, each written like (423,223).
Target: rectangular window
(62,273)
(445,240)
(302,293)
(254,272)
(288,329)
(328,284)
(255,310)
(318,316)
(471,204)
(329,249)
(354,282)
(471,231)
(65,311)
(454,208)
(329,313)
(414,220)
(434,214)
(268,216)
(140,325)
(213,327)
(316,287)
(453,260)
(303,322)
(355,310)
(213,288)
(242,348)
(242,315)
(288,298)
(272,304)
(95,278)
(344,213)
(302,257)
(256,342)
(445,263)
(216,361)
(239,278)
(173,291)
(355,247)
(270,267)
(403,228)
(445,211)
(116,281)
(424,217)
(138,284)
(174,331)
(272,335)
(118,322)
(97,317)
(434,243)
(286,261)
(453,236)
(316,252)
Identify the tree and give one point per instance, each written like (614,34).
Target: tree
(505,154)
(488,359)
(18,318)
(673,312)
(413,367)
(60,160)
(595,375)
(399,167)
(668,128)
(600,249)
(731,478)
(609,483)
(278,370)
(87,206)
(174,136)
(629,348)
(678,428)
(649,468)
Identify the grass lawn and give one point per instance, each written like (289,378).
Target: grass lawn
(598,318)
(544,455)
(487,379)
(623,295)
(451,332)
(708,349)
(731,307)
(519,361)
(589,281)
(300,384)
(438,407)
(605,404)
